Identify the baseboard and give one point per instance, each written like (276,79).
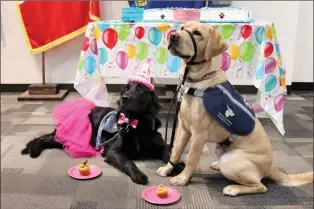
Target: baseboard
(244,89)
(65,86)
(302,86)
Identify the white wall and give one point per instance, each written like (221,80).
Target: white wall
(19,66)
(303,64)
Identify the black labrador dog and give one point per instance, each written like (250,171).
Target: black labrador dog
(143,142)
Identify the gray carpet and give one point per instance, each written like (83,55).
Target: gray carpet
(43,183)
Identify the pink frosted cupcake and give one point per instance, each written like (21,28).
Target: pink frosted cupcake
(184,15)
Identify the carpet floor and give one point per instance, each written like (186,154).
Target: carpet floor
(43,183)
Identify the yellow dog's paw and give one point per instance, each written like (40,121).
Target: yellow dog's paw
(215,166)
(164,171)
(179,180)
(231,190)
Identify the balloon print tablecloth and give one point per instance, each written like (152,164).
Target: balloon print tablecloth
(116,49)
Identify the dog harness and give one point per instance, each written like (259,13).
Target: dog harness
(228,108)
(109,124)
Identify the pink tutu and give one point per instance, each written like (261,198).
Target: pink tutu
(74,129)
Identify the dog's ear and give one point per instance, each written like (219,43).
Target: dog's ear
(216,44)
(154,104)
(119,100)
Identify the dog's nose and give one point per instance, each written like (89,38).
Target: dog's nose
(174,37)
(125,98)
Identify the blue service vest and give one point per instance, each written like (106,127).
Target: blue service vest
(229,109)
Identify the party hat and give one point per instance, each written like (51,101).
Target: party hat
(142,75)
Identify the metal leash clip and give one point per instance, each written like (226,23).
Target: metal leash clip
(125,128)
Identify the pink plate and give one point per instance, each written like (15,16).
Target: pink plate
(150,195)
(94,172)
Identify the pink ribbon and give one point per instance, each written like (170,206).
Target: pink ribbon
(122,119)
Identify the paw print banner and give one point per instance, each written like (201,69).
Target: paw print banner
(114,49)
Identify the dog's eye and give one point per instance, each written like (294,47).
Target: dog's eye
(182,28)
(126,88)
(139,90)
(197,33)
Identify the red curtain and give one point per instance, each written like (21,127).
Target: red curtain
(47,24)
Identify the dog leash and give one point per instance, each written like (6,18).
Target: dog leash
(181,165)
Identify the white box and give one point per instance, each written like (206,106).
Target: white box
(158,15)
(226,14)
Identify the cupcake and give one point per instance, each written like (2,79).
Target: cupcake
(84,168)
(162,191)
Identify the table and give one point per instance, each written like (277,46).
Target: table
(115,49)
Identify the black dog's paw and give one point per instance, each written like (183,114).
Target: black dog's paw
(25,151)
(139,178)
(31,152)
(34,154)
(178,168)
(35,151)
(104,153)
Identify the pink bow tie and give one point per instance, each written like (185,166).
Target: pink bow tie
(122,119)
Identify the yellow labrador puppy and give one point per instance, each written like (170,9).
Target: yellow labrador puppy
(249,158)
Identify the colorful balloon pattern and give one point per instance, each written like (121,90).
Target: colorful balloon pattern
(85,44)
(270,82)
(110,38)
(246,31)
(114,34)
(173,64)
(282,81)
(260,35)
(103,56)
(121,46)
(90,65)
(154,36)
(227,31)
(163,27)
(247,51)
(141,51)
(270,65)
(277,49)
(268,50)
(103,26)
(122,59)
(139,32)
(234,51)
(161,55)
(122,31)
(225,61)
(93,46)
(81,63)
(279,102)
(269,32)
(259,71)
(281,72)
(130,50)
(97,32)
